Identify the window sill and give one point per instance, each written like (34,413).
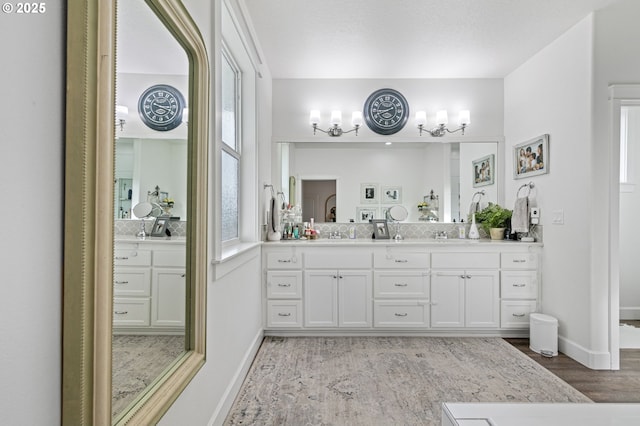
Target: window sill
(231,252)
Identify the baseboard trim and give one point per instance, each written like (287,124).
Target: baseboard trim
(226,402)
(632,313)
(591,359)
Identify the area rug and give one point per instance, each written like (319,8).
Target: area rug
(629,337)
(386,380)
(136,362)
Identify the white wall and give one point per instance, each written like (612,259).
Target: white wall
(31,183)
(551,93)
(294,98)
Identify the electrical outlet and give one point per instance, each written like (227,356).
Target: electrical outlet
(534,212)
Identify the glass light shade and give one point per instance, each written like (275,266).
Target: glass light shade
(121,111)
(356,118)
(314,116)
(336,118)
(465,117)
(441,117)
(421,118)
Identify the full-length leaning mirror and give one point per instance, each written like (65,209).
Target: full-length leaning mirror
(122,285)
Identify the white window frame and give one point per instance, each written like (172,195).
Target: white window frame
(225,148)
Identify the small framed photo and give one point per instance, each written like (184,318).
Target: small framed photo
(483,171)
(366,214)
(368,193)
(160,227)
(380,229)
(391,194)
(531,158)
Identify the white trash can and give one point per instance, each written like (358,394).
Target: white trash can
(543,334)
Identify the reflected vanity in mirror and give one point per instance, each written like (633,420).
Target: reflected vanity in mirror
(130,298)
(399,174)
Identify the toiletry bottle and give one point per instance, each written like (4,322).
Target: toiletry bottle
(296,232)
(352,232)
(462,232)
(473,230)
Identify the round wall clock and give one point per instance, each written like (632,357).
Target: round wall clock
(386,111)
(160,107)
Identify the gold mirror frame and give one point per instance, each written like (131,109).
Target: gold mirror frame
(88,245)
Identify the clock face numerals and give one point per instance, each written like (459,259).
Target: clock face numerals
(386,111)
(160,107)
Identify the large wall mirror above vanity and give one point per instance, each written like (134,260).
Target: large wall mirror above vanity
(399,173)
(118,285)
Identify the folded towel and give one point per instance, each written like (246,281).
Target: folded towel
(520,216)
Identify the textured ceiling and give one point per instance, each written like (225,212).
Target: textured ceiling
(408,38)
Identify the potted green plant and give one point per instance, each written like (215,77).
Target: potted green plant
(494,219)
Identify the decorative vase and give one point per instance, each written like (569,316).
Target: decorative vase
(473,230)
(497,233)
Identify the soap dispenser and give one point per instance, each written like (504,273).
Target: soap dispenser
(473,230)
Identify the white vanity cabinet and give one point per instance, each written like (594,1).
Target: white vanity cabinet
(519,288)
(458,287)
(338,294)
(467,296)
(283,288)
(401,287)
(149,287)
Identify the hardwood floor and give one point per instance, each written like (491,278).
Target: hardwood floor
(599,385)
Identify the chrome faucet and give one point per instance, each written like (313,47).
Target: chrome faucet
(441,235)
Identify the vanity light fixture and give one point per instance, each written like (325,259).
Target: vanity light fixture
(336,122)
(441,121)
(121,113)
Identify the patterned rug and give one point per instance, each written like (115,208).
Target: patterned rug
(137,362)
(386,380)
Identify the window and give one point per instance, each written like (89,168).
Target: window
(231,157)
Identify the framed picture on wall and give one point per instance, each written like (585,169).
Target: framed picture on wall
(483,171)
(368,193)
(391,194)
(366,214)
(531,158)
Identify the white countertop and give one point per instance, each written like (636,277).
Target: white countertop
(150,240)
(405,242)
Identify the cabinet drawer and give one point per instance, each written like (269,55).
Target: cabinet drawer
(401,314)
(133,257)
(519,261)
(282,260)
(401,284)
(284,313)
(465,260)
(132,282)
(519,284)
(173,258)
(404,260)
(131,312)
(515,313)
(338,259)
(284,284)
